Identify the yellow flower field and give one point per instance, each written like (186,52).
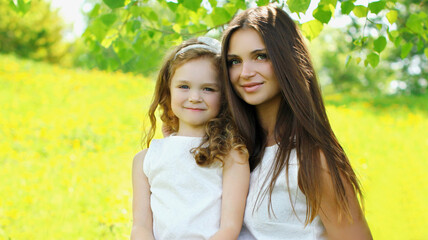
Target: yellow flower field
(67,139)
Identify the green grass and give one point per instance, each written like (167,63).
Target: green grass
(68,138)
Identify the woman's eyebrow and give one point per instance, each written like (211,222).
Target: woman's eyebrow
(255,51)
(258,50)
(232,55)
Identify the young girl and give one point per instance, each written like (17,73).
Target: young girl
(302,185)
(192,184)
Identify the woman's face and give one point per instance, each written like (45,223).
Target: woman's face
(250,69)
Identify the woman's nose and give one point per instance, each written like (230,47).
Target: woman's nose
(247,70)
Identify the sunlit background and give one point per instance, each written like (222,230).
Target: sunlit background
(77,77)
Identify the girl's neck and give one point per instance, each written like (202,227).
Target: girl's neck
(266,115)
(191,132)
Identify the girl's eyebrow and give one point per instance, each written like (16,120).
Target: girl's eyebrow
(182,81)
(211,84)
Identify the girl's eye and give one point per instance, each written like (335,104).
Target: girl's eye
(183,87)
(233,62)
(208,89)
(261,56)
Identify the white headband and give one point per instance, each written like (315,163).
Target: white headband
(210,44)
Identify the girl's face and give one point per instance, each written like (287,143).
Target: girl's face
(195,95)
(250,68)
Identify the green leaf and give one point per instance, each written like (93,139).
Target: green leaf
(131,4)
(13,6)
(125,54)
(23,6)
(108,19)
(373,59)
(322,13)
(347,7)
(240,4)
(392,16)
(360,11)
(197,28)
(426,52)
(312,29)
(133,25)
(405,50)
(20,6)
(98,29)
(149,14)
(420,44)
(136,11)
(392,35)
(114,3)
(231,8)
(348,60)
(397,41)
(358,60)
(95,11)
(262,2)
(219,16)
(173,6)
(376,7)
(177,28)
(213,3)
(357,42)
(415,24)
(380,44)
(192,4)
(298,5)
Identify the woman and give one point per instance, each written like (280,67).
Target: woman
(302,184)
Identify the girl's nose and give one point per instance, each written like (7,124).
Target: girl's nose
(247,70)
(195,97)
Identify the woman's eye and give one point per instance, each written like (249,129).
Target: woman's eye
(262,56)
(183,87)
(233,62)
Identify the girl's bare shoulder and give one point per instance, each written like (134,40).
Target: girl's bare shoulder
(139,157)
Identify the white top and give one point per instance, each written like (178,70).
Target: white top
(282,223)
(186,198)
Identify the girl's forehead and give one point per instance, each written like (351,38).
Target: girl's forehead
(199,70)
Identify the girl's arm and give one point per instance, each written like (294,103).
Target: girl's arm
(142,226)
(345,229)
(236,180)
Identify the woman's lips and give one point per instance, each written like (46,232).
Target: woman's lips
(251,87)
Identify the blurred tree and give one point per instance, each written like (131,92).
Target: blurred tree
(133,35)
(31,30)
(331,51)
(395,33)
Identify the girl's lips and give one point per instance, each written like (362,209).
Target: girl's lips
(195,109)
(252,87)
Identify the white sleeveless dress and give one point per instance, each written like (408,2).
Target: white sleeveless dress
(185,198)
(282,222)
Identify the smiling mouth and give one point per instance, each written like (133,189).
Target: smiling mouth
(195,109)
(251,87)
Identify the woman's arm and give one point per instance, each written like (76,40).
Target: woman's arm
(236,180)
(142,226)
(350,229)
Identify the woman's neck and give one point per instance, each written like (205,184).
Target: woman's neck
(266,115)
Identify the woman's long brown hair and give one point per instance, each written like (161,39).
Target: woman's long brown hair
(301,122)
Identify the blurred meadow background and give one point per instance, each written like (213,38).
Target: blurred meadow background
(73,104)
